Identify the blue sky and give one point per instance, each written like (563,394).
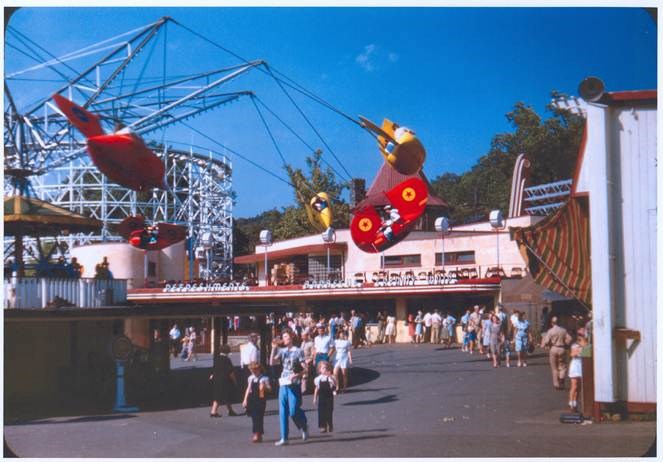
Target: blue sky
(451,74)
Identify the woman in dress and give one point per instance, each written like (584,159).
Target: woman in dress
(485,335)
(390,331)
(495,336)
(411,327)
(343,358)
(223,382)
(522,338)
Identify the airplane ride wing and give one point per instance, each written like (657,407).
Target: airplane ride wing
(409,197)
(86,122)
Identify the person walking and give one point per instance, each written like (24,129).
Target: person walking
(522,338)
(290,393)
(325,389)
(485,338)
(249,353)
(223,382)
(451,323)
(255,400)
(558,340)
(493,332)
(343,358)
(323,344)
(390,330)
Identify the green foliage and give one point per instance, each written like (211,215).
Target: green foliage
(551,146)
(292,221)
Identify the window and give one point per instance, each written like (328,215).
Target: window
(455,258)
(151,269)
(393,261)
(317,267)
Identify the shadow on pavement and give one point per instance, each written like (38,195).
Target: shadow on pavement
(381,400)
(96,418)
(338,440)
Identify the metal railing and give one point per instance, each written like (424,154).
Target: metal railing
(51,292)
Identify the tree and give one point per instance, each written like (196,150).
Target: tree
(551,145)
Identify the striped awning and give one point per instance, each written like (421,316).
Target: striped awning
(556,250)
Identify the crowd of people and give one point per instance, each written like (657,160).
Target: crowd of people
(312,354)
(185,345)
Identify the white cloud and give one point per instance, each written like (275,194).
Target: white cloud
(373,55)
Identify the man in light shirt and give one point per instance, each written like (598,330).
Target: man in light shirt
(436,322)
(428,323)
(323,345)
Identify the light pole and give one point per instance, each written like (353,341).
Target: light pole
(442,226)
(497,222)
(329,236)
(266,240)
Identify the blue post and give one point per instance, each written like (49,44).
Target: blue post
(120,401)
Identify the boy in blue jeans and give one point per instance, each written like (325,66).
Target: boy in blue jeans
(290,393)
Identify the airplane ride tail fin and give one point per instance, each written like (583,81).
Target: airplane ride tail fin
(86,122)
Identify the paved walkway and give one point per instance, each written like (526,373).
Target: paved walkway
(410,401)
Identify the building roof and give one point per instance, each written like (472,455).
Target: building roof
(386,178)
(301,250)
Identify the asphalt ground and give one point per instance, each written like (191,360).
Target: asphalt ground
(405,401)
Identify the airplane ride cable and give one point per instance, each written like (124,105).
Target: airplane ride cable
(239,155)
(310,124)
(140,76)
(312,149)
(20,35)
(298,87)
(269,132)
(293,84)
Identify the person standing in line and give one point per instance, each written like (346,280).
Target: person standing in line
(411,328)
(428,324)
(444,331)
(322,345)
(343,358)
(307,347)
(290,393)
(390,330)
(419,327)
(255,400)
(382,325)
(451,323)
(355,322)
(464,322)
(575,373)
(191,346)
(436,324)
(558,340)
(325,389)
(223,382)
(522,337)
(175,336)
